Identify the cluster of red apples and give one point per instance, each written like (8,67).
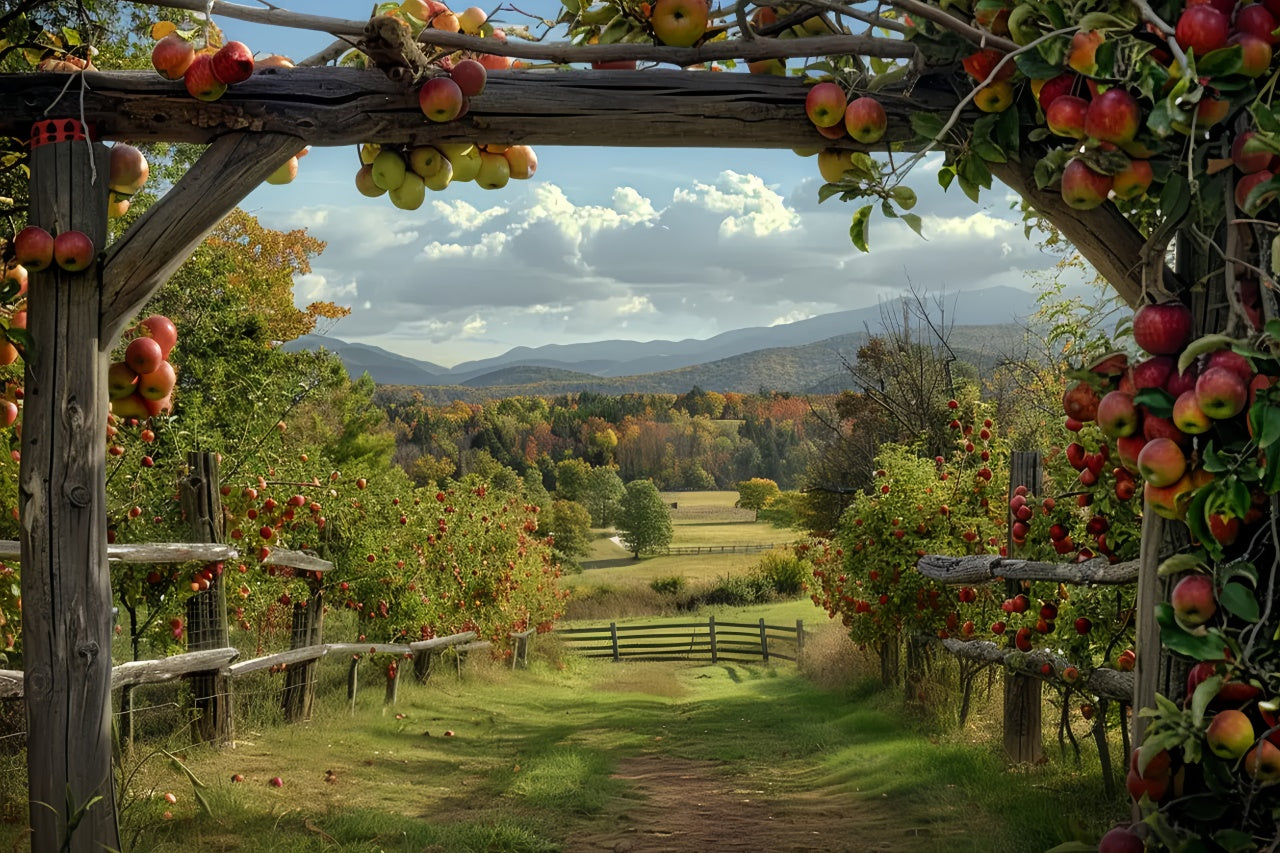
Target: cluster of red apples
(1153,410)
(141,384)
(829,109)
(206,72)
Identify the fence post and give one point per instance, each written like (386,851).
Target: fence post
(1022,723)
(393,682)
(300,679)
(711,631)
(207,609)
(764,642)
(353,681)
(613,635)
(799,639)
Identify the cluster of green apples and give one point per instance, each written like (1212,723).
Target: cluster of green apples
(404,174)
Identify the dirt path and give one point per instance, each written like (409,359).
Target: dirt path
(682,806)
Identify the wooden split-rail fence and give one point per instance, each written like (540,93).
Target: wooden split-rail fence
(738,642)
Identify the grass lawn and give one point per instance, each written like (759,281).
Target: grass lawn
(531,764)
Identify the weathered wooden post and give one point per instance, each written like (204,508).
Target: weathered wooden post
(66,587)
(764,642)
(300,679)
(207,609)
(711,635)
(1022,722)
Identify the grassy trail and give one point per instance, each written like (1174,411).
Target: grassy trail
(580,755)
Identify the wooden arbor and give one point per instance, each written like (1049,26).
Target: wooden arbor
(76,318)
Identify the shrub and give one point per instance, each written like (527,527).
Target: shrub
(673,585)
(786,573)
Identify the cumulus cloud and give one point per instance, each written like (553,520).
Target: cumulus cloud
(474,274)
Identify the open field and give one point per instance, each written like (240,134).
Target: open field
(578,755)
(710,518)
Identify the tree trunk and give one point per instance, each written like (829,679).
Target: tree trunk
(1023,740)
(66,585)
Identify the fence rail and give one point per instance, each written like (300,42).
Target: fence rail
(739,642)
(681,550)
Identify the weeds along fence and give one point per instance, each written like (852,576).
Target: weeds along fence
(737,642)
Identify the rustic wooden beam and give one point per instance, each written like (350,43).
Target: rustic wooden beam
(296,560)
(147,552)
(169,231)
(174,666)
(980,568)
(346,106)
(66,585)
(284,658)
(1103,682)
(1103,236)
(10,684)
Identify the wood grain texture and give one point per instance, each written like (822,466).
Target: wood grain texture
(168,232)
(980,568)
(66,585)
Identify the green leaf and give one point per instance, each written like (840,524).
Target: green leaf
(1241,569)
(926,124)
(826,191)
(1176,639)
(1158,401)
(1205,692)
(858,229)
(1267,120)
(71,37)
(1235,840)
(1036,67)
(1238,498)
(1073,847)
(1270,482)
(945,176)
(1103,21)
(913,222)
(1238,600)
(1179,563)
(1175,197)
(969,188)
(1220,63)
(905,197)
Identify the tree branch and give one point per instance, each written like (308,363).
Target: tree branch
(988,567)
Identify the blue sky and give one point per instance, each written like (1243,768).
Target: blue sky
(630,243)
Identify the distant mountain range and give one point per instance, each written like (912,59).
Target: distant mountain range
(801,357)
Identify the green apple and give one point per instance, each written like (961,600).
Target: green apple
(410,193)
(442,177)
(495,171)
(465,158)
(388,170)
(426,160)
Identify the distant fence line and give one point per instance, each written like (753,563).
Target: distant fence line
(739,642)
(680,550)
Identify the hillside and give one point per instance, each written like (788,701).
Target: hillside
(797,357)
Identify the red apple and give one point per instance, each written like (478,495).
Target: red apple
(121,380)
(1048,91)
(1221,393)
(1082,54)
(1193,600)
(1117,415)
(680,23)
(1202,29)
(1188,416)
(1066,115)
(440,99)
(1179,383)
(1255,54)
(825,104)
(1233,361)
(865,119)
(1080,402)
(1222,528)
(1113,116)
(1248,161)
(159,383)
(1170,501)
(1161,462)
(522,161)
(1082,187)
(1154,427)
(470,76)
(233,63)
(73,251)
(1153,372)
(1162,328)
(128,169)
(1133,180)
(33,248)
(200,80)
(1256,20)
(1245,187)
(143,355)
(172,56)
(1121,840)
(160,329)
(1262,763)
